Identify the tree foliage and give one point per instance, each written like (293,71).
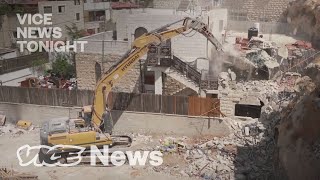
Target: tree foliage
(4,9)
(62,68)
(146,3)
(75,33)
(7,9)
(38,66)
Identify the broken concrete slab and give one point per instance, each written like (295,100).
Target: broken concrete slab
(2,119)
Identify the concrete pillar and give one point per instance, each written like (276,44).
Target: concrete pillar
(108,14)
(203,94)
(158,81)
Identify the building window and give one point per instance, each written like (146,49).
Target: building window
(78,16)
(91,31)
(47,9)
(61,9)
(15,34)
(76,2)
(149,78)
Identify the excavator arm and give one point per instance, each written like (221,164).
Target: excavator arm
(139,48)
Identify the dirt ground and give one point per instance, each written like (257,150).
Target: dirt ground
(9,145)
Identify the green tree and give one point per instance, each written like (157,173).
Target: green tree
(9,9)
(146,3)
(61,67)
(75,33)
(38,66)
(4,9)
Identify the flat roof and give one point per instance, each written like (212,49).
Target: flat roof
(5,51)
(34,2)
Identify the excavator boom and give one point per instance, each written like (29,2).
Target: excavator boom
(139,48)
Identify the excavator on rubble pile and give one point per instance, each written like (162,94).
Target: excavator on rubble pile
(88,129)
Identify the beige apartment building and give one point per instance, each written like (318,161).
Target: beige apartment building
(64,13)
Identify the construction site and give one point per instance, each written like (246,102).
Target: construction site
(223,89)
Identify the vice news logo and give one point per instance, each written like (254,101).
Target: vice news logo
(41,27)
(116,158)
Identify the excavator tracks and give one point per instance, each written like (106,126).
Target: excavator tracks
(120,143)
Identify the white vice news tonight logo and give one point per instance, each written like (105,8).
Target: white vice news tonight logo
(117,158)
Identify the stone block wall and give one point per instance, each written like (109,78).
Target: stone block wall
(130,83)
(228,100)
(110,47)
(172,86)
(271,10)
(86,75)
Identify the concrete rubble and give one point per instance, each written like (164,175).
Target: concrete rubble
(298,134)
(259,59)
(250,151)
(14,131)
(241,155)
(244,154)
(2,119)
(8,174)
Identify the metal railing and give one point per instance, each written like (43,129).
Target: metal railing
(186,70)
(22,62)
(208,82)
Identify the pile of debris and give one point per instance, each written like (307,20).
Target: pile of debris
(9,174)
(22,127)
(257,58)
(49,82)
(250,151)
(263,90)
(245,154)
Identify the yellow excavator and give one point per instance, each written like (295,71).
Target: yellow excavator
(90,129)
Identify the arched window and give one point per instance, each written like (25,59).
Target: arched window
(139,32)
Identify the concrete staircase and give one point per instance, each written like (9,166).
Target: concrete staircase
(175,74)
(190,77)
(176,92)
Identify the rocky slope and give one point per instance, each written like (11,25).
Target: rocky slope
(298,134)
(304,15)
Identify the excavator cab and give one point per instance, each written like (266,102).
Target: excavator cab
(86,115)
(71,132)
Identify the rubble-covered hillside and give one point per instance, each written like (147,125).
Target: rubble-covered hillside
(298,137)
(305,16)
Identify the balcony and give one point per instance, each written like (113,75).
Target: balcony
(95,16)
(96,5)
